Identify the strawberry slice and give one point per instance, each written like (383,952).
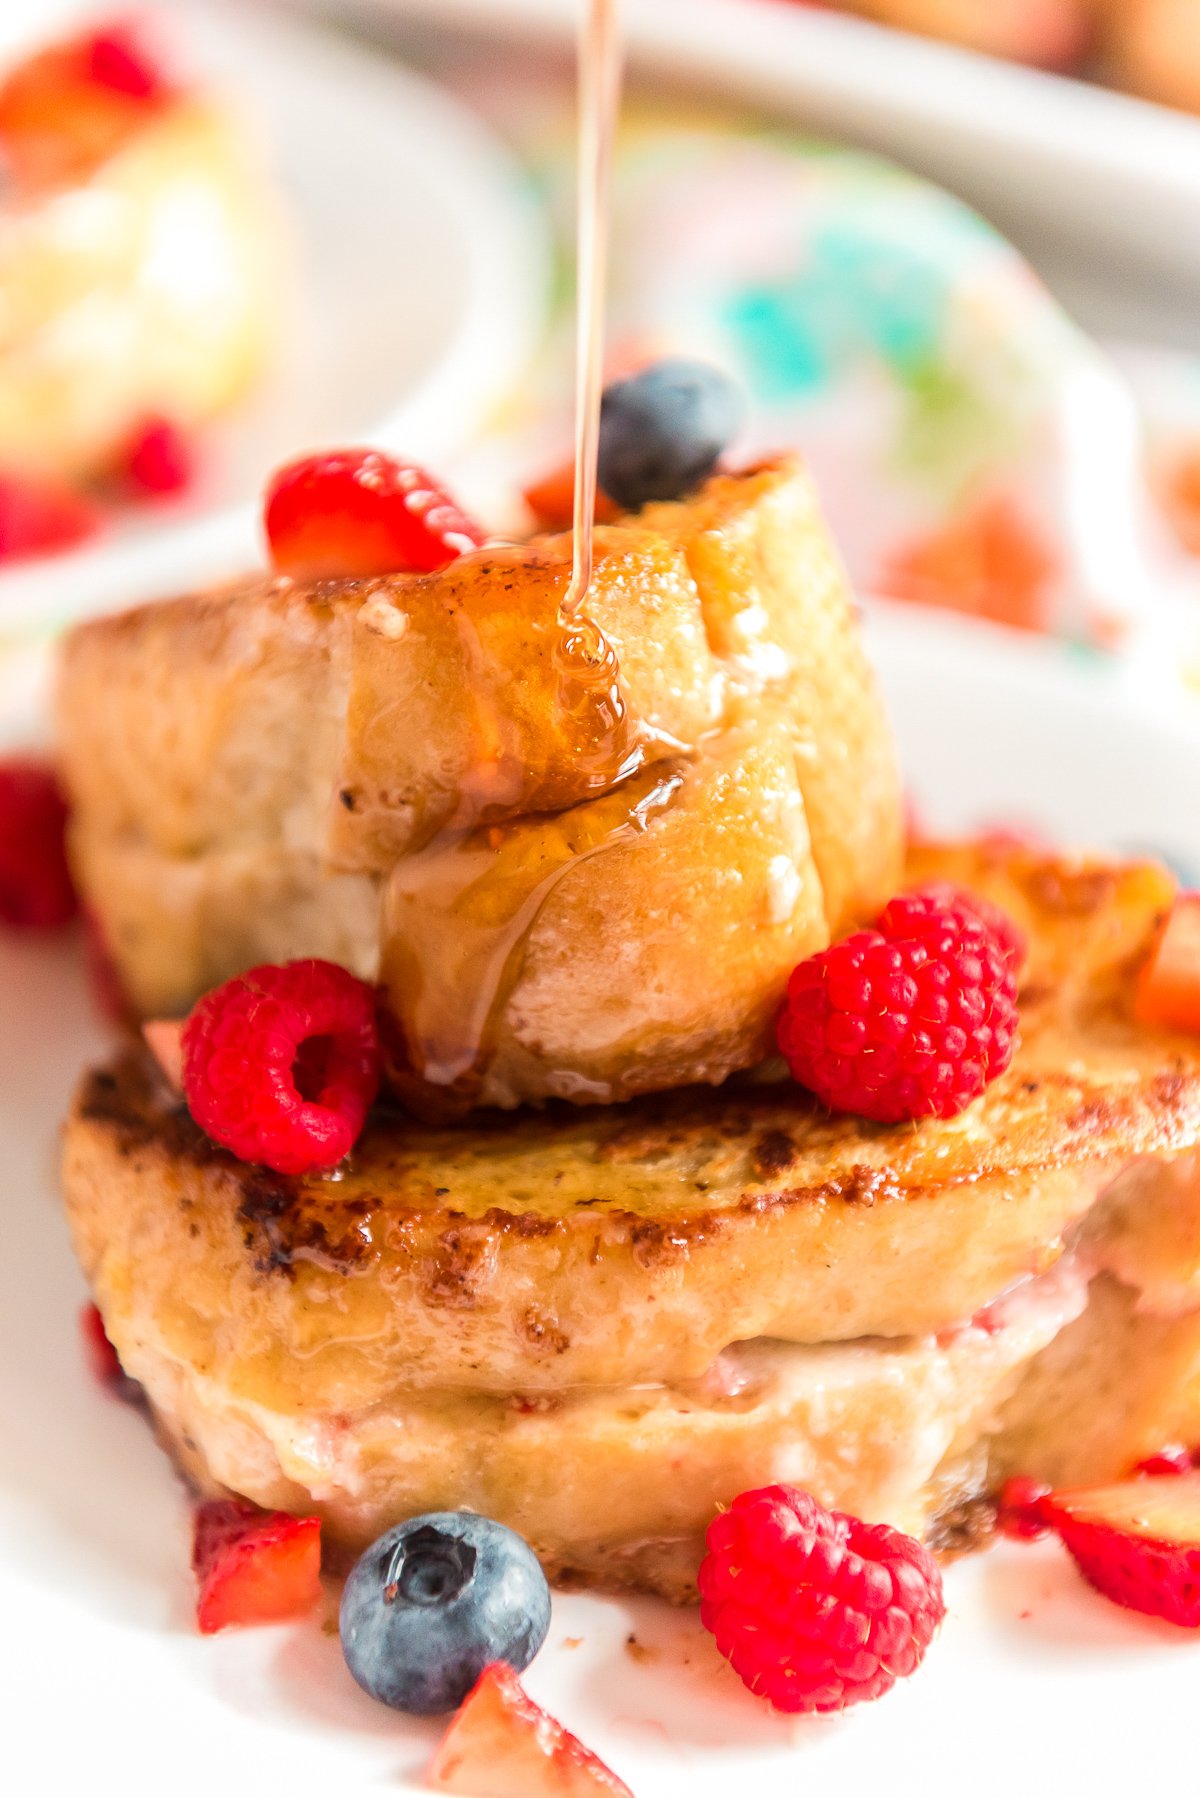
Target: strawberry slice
(66,109)
(552,500)
(358,513)
(1137,1541)
(503,1745)
(253,1566)
(103,1360)
(1168,989)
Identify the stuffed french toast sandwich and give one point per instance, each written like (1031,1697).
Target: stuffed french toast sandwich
(564,1095)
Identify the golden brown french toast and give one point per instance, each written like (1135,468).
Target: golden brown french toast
(634,1243)
(725,1282)
(583,859)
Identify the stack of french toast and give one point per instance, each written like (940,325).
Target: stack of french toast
(596,1264)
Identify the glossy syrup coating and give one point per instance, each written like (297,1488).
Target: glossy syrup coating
(619,1244)
(693,786)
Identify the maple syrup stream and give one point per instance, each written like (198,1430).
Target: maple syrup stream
(458,913)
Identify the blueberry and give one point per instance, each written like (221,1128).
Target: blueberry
(663,430)
(433,1601)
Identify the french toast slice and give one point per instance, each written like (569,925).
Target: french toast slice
(582,867)
(539,1252)
(579,1321)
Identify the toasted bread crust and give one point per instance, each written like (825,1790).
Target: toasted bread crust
(540,1252)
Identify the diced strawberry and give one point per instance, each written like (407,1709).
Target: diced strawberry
(39,517)
(1168,989)
(164,1039)
(502,1745)
(552,500)
(357,513)
(253,1566)
(70,106)
(1019,1512)
(1136,1541)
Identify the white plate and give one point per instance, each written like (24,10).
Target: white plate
(1100,191)
(1035,1686)
(421,287)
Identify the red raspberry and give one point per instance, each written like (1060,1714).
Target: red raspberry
(157,461)
(908,913)
(358,513)
(282,1064)
(35,883)
(909,1020)
(816,1610)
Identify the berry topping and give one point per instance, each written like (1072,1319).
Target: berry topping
(433,1602)
(102,1358)
(116,60)
(502,1745)
(164,1039)
(909,1020)
(552,501)
(38,517)
(663,430)
(157,460)
(1173,1460)
(1137,1542)
(910,913)
(1020,1508)
(253,1566)
(35,882)
(282,1064)
(813,1609)
(1168,989)
(357,513)
(104,980)
(70,106)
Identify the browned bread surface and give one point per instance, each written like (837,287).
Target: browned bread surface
(617,1244)
(278,770)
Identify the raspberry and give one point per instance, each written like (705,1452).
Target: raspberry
(358,513)
(909,1020)
(157,461)
(281,1065)
(253,1566)
(813,1609)
(908,913)
(35,883)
